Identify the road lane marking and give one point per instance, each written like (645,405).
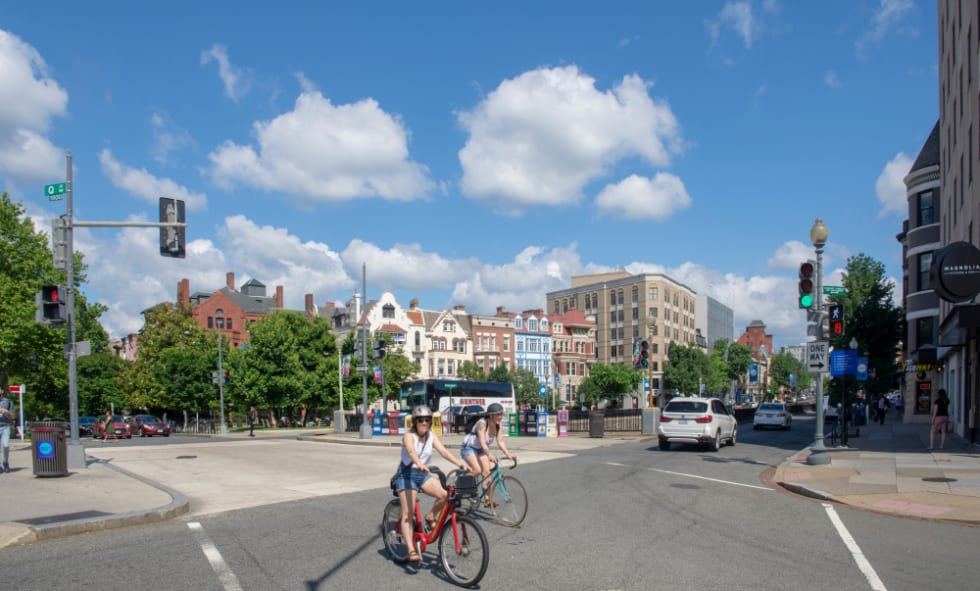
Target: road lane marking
(862,562)
(221,568)
(766,488)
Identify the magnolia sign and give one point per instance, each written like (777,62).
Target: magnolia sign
(955,272)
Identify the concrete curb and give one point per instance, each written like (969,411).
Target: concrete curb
(179,505)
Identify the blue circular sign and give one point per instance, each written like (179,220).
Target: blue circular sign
(45,450)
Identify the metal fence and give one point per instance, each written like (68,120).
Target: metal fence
(614,420)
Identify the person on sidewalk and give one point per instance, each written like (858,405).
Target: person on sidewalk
(253,417)
(108,427)
(882,409)
(6,420)
(899,405)
(940,419)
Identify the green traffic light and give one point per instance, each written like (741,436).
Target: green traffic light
(806,301)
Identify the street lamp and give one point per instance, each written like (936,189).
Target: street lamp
(220,314)
(818,236)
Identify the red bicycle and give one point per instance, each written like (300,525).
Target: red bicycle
(463,548)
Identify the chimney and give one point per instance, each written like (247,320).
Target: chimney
(230,280)
(183,292)
(413,304)
(460,308)
(500,310)
(310,308)
(279,296)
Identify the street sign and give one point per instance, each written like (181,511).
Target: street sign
(543,391)
(816,356)
(15,389)
(843,362)
(834,290)
(55,191)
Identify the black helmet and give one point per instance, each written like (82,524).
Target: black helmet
(495,409)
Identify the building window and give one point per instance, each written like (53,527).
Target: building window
(653,312)
(388,311)
(923,332)
(620,298)
(506,343)
(449,326)
(653,293)
(228,324)
(210,322)
(518,323)
(926,209)
(612,298)
(925,261)
(544,325)
(532,325)
(635,295)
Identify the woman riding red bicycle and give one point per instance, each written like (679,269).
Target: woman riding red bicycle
(413,473)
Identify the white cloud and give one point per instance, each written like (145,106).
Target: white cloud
(405,265)
(236,80)
(147,187)
(325,152)
(640,198)
(887,18)
(167,140)
(537,139)
(29,100)
(737,16)
(789,256)
(890,187)
(830,79)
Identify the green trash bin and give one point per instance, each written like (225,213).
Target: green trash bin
(49,448)
(513,428)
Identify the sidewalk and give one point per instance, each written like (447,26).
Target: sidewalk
(889,470)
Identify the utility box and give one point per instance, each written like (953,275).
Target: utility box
(49,448)
(649,421)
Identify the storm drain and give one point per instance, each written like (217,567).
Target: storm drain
(938,479)
(63,517)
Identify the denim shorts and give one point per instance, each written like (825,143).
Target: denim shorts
(410,478)
(465,451)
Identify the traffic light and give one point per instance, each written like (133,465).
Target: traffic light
(172,238)
(642,358)
(807,297)
(53,306)
(836,321)
(379,348)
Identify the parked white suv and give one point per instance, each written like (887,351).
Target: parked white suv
(702,421)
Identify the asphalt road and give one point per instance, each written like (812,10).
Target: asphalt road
(615,518)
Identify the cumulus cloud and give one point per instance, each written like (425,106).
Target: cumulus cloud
(830,79)
(405,265)
(888,17)
(325,152)
(739,17)
(890,187)
(29,100)
(236,80)
(166,139)
(537,139)
(789,256)
(147,187)
(640,198)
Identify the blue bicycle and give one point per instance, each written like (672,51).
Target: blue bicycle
(503,497)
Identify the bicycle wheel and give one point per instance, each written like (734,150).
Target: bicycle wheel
(391,532)
(508,501)
(467,566)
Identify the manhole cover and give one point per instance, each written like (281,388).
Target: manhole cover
(686,486)
(938,479)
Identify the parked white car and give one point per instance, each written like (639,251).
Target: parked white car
(772,414)
(701,421)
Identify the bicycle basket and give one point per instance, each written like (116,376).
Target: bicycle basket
(466,486)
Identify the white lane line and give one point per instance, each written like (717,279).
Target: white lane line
(862,562)
(227,578)
(766,488)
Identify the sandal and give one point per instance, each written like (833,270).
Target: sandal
(413,556)
(430,520)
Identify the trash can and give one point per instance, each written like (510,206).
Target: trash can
(49,448)
(597,423)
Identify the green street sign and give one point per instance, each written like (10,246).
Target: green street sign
(55,191)
(834,290)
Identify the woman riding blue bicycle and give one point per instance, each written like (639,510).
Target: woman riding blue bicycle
(475,448)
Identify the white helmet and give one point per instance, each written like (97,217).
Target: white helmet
(421,411)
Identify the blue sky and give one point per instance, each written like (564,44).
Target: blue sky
(470,154)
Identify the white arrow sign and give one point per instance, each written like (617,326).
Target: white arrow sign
(816,356)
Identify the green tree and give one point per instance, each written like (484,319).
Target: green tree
(686,368)
(781,366)
(499,374)
(872,318)
(739,360)
(468,370)
(99,382)
(527,388)
(609,382)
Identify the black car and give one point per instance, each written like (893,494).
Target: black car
(85,426)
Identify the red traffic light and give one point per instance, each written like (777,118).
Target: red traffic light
(49,293)
(806,270)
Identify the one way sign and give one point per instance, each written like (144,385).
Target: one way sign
(816,356)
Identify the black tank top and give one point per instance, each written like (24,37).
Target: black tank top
(942,407)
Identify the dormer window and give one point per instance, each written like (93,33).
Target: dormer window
(544,325)
(388,311)
(518,323)
(532,324)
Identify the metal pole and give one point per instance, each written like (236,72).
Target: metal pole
(76,454)
(221,378)
(818,453)
(365,425)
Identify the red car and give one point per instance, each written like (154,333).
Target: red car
(120,428)
(149,425)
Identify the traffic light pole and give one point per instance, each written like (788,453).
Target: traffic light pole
(818,453)
(76,454)
(362,322)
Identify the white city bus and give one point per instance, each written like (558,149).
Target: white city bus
(463,397)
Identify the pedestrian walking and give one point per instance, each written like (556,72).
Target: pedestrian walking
(940,419)
(899,405)
(6,420)
(108,427)
(253,417)
(882,409)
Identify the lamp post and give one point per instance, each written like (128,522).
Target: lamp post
(843,397)
(818,236)
(220,314)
